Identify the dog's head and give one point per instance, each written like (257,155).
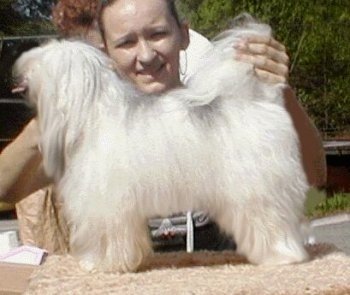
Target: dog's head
(24,70)
(58,67)
(64,80)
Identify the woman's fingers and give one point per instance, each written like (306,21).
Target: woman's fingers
(268,40)
(264,67)
(264,49)
(268,77)
(267,55)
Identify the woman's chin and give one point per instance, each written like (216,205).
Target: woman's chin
(154,87)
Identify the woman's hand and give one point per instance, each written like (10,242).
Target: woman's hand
(268,56)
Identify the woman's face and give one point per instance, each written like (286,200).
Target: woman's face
(144,40)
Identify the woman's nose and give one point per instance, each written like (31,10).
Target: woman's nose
(146,53)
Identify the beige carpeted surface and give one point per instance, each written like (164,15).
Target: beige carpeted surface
(205,273)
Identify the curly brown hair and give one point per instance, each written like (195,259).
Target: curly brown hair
(74,17)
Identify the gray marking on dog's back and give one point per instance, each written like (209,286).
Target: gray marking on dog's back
(206,115)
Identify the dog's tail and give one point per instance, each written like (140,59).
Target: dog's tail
(242,25)
(221,76)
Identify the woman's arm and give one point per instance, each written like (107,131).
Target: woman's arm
(271,63)
(313,156)
(21,171)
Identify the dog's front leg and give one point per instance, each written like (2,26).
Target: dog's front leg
(127,244)
(110,242)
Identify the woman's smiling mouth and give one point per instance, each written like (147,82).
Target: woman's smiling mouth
(151,73)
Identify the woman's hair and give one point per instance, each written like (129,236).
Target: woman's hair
(75,17)
(105,3)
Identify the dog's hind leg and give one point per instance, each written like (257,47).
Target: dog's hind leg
(264,236)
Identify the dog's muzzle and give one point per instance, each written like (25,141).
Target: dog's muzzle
(20,85)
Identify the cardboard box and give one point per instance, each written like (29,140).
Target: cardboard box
(17,265)
(14,277)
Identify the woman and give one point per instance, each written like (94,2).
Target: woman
(144,38)
(145,45)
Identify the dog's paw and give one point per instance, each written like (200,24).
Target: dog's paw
(87,265)
(285,253)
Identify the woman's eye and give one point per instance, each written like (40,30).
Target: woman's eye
(124,44)
(159,35)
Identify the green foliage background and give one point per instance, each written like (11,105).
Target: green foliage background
(12,24)
(316,33)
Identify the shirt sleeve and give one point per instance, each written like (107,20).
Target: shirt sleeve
(191,58)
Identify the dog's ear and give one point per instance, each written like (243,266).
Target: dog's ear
(71,83)
(68,84)
(52,145)
(32,78)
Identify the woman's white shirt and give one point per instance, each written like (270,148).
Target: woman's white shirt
(191,58)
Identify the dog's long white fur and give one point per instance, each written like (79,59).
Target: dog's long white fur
(225,144)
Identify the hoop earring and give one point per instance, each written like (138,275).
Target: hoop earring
(184,58)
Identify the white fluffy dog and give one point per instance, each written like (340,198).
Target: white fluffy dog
(225,145)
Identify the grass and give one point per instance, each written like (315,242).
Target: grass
(318,205)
